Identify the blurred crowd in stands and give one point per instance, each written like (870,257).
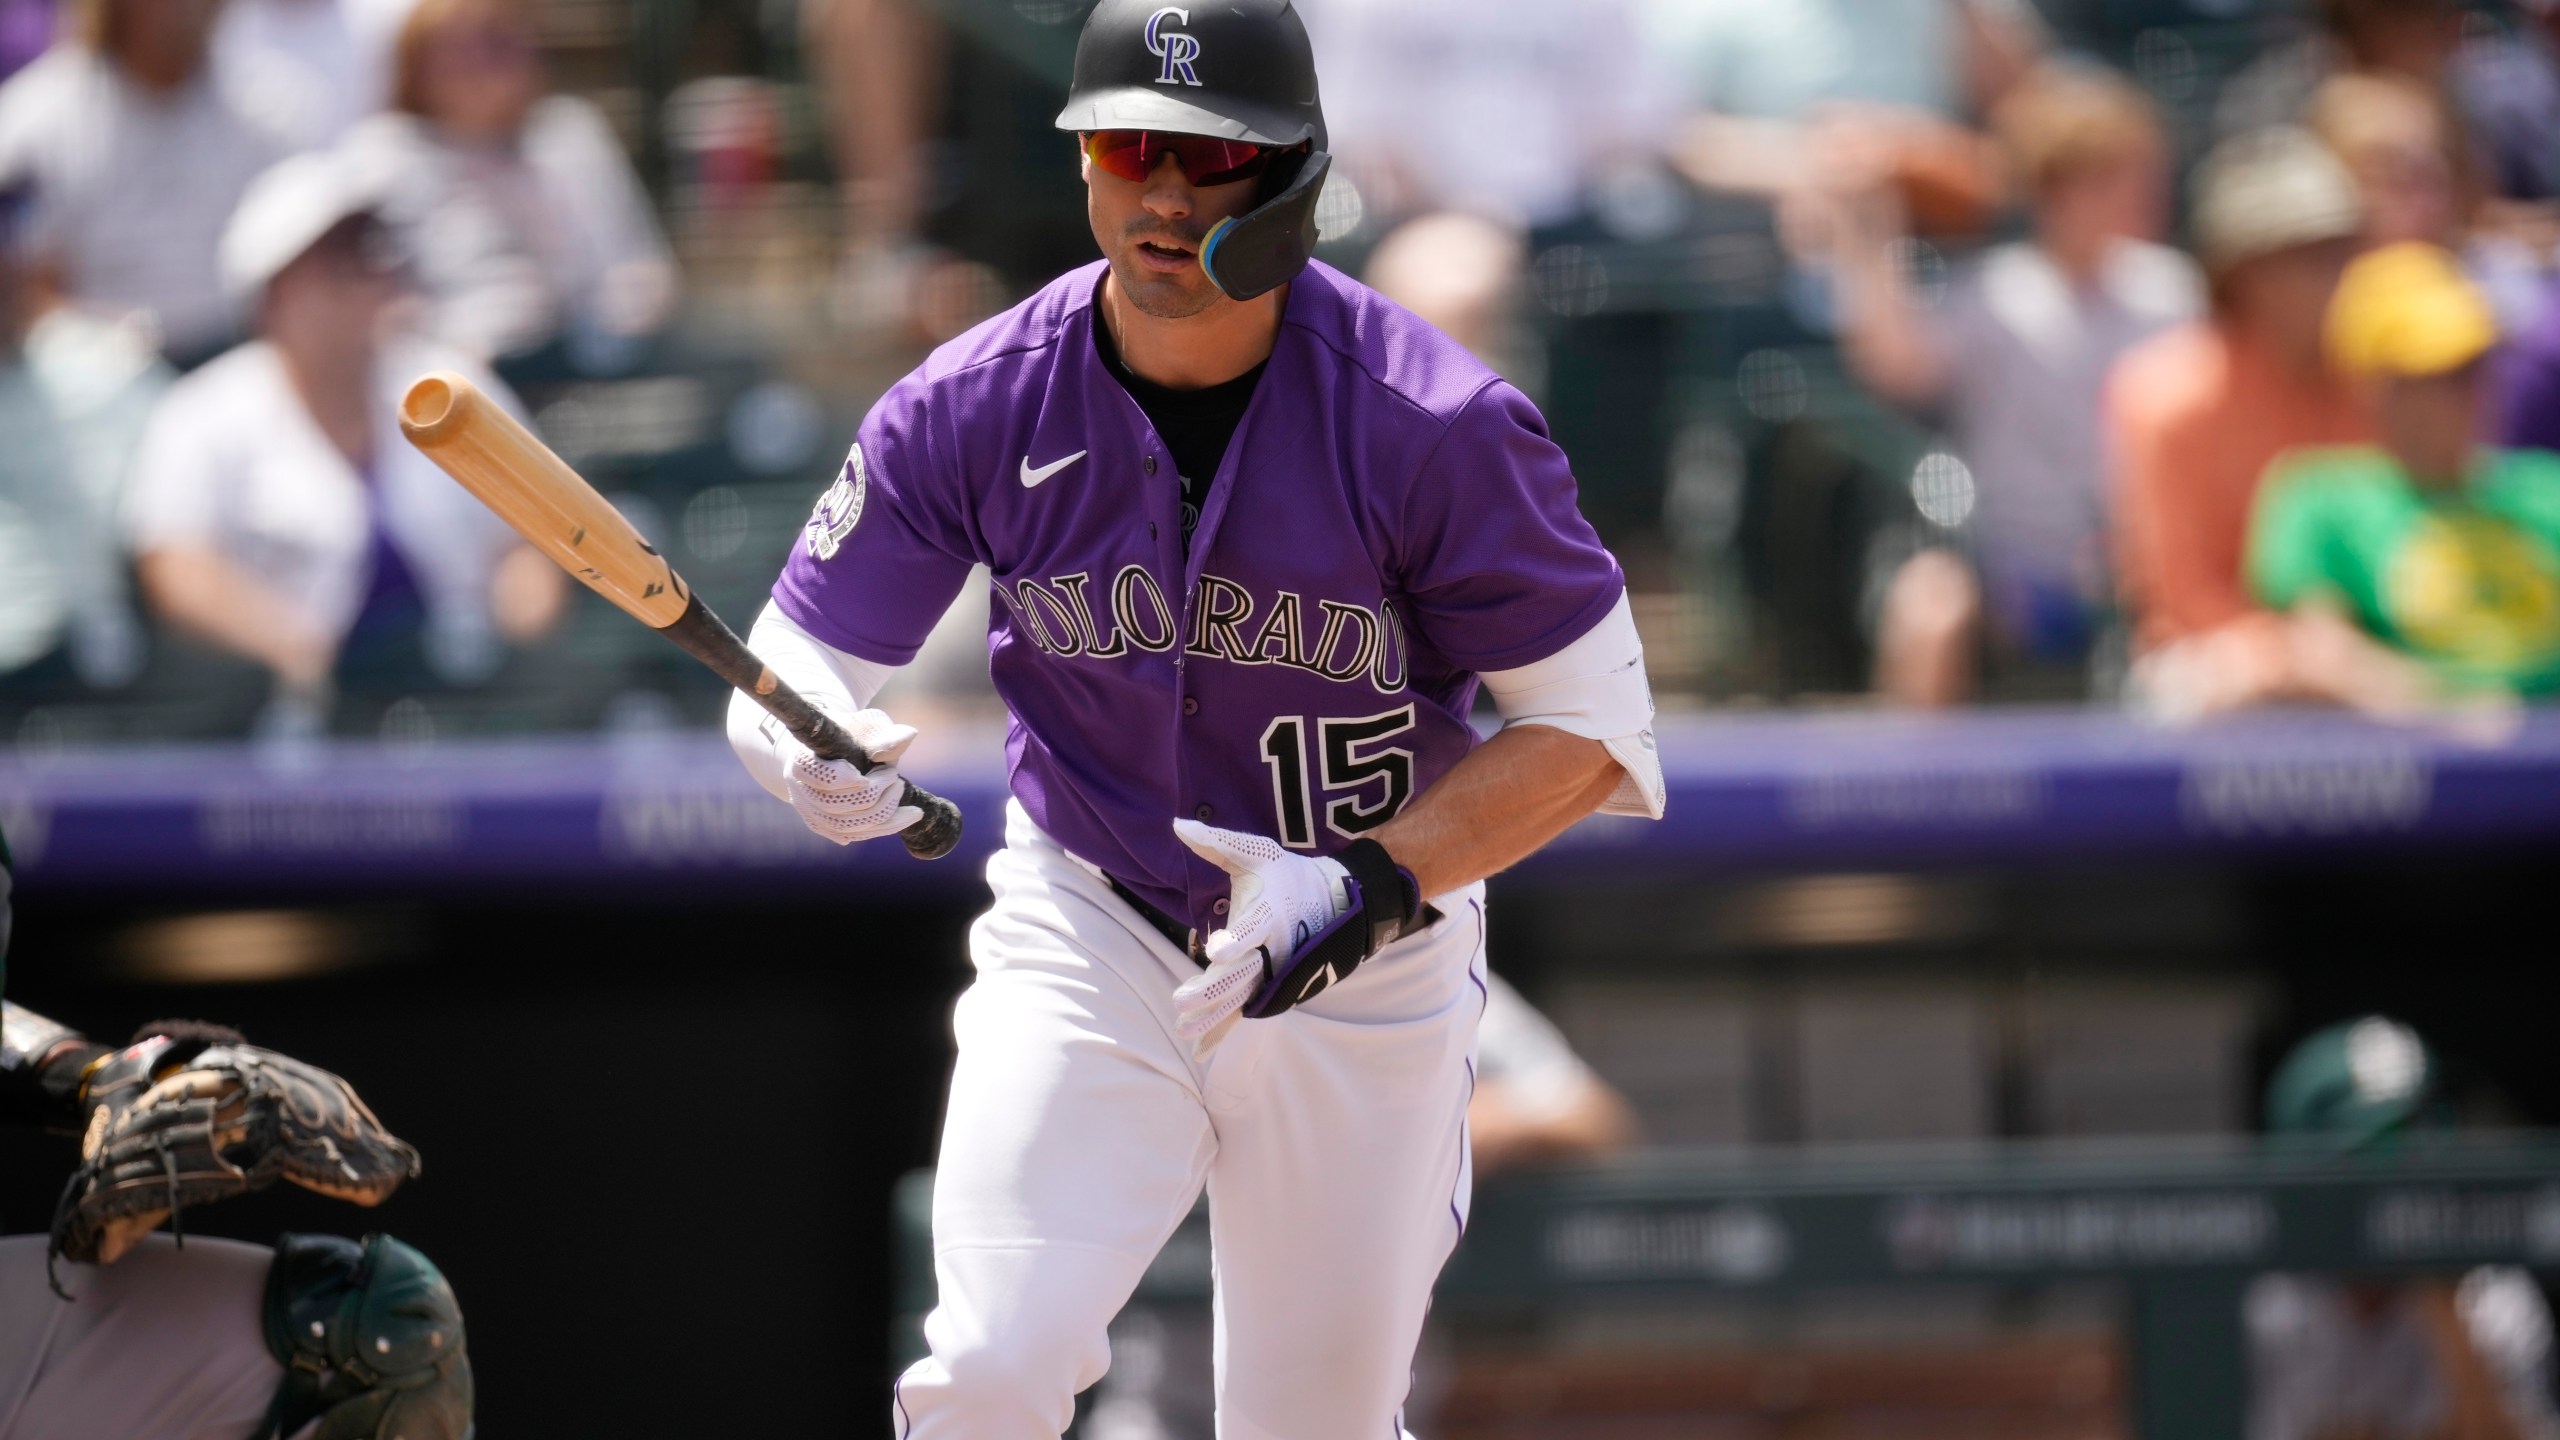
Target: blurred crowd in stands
(2186,354)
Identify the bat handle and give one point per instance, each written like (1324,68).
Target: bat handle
(930,838)
(702,634)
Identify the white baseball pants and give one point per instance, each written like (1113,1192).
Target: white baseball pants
(1081,1129)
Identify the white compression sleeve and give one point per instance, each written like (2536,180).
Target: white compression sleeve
(827,677)
(1594,688)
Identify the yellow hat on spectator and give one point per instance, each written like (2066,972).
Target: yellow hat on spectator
(2408,309)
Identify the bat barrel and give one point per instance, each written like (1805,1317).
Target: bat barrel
(491,454)
(434,408)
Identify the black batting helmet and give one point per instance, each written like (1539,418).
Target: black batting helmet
(1235,69)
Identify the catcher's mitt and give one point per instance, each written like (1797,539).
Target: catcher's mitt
(167,1130)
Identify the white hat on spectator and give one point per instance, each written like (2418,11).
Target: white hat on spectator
(284,213)
(2271,190)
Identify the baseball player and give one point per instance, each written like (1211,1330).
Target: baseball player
(1257,537)
(109,1331)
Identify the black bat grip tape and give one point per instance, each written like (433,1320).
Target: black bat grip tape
(930,838)
(938,832)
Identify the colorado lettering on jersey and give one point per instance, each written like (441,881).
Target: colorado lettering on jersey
(1069,617)
(1063,619)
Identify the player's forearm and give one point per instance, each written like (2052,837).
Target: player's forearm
(1885,337)
(1506,1134)
(1495,808)
(826,677)
(199,591)
(2331,658)
(41,1061)
(527,594)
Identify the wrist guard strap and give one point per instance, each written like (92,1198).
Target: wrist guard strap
(1389,896)
(1384,898)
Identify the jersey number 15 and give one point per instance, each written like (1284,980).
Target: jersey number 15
(1353,756)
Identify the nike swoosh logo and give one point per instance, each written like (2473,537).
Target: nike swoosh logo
(1031,477)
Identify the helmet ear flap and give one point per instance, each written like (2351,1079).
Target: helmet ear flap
(1263,249)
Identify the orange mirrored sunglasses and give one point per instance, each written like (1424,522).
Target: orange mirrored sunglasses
(1204,159)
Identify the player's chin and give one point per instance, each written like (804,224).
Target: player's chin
(1163,293)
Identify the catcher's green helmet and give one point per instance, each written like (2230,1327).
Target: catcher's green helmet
(2355,1082)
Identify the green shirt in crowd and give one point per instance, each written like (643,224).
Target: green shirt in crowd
(2465,580)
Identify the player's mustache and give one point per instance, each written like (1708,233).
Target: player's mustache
(1185,236)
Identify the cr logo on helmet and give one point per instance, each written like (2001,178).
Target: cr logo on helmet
(1179,48)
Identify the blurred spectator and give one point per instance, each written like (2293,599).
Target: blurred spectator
(2017,356)
(2514,89)
(137,159)
(275,510)
(2389,134)
(2529,381)
(886,61)
(2392,138)
(2195,415)
(519,209)
(1462,273)
(2393,1358)
(73,392)
(308,69)
(2482,85)
(1774,90)
(886,65)
(1535,1103)
(2424,568)
(1415,87)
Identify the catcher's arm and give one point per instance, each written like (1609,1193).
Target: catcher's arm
(41,1060)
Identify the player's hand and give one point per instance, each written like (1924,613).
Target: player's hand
(1278,906)
(1296,924)
(840,801)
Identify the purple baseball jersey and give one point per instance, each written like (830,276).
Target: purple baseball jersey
(1390,519)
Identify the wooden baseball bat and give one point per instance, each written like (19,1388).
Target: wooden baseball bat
(478,443)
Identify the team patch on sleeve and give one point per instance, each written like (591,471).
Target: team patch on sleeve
(839,508)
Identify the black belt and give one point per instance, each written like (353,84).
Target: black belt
(1174,931)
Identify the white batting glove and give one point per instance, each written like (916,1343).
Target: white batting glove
(1277,905)
(840,801)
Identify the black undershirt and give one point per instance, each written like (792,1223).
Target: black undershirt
(1196,424)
